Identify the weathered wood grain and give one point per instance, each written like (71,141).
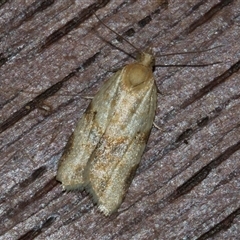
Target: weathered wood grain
(55,53)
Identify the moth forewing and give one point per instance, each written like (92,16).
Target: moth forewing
(86,136)
(106,147)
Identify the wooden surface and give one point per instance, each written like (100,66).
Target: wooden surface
(55,53)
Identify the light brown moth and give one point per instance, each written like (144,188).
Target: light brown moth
(105,149)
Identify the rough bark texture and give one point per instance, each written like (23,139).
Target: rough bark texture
(55,53)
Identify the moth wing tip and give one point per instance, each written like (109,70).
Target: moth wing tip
(70,187)
(104,210)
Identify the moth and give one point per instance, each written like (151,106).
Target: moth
(105,149)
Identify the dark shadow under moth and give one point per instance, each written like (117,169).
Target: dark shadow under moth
(106,147)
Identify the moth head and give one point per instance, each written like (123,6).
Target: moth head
(146,58)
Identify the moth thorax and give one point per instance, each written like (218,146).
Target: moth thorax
(136,74)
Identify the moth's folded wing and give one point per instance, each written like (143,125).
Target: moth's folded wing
(115,160)
(86,136)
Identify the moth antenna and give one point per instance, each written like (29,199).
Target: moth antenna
(187,65)
(167,54)
(116,33)
(189,52)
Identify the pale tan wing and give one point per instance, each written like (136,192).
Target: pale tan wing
(114,161)
(87,134)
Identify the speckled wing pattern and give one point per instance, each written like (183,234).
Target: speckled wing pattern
(106,147)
